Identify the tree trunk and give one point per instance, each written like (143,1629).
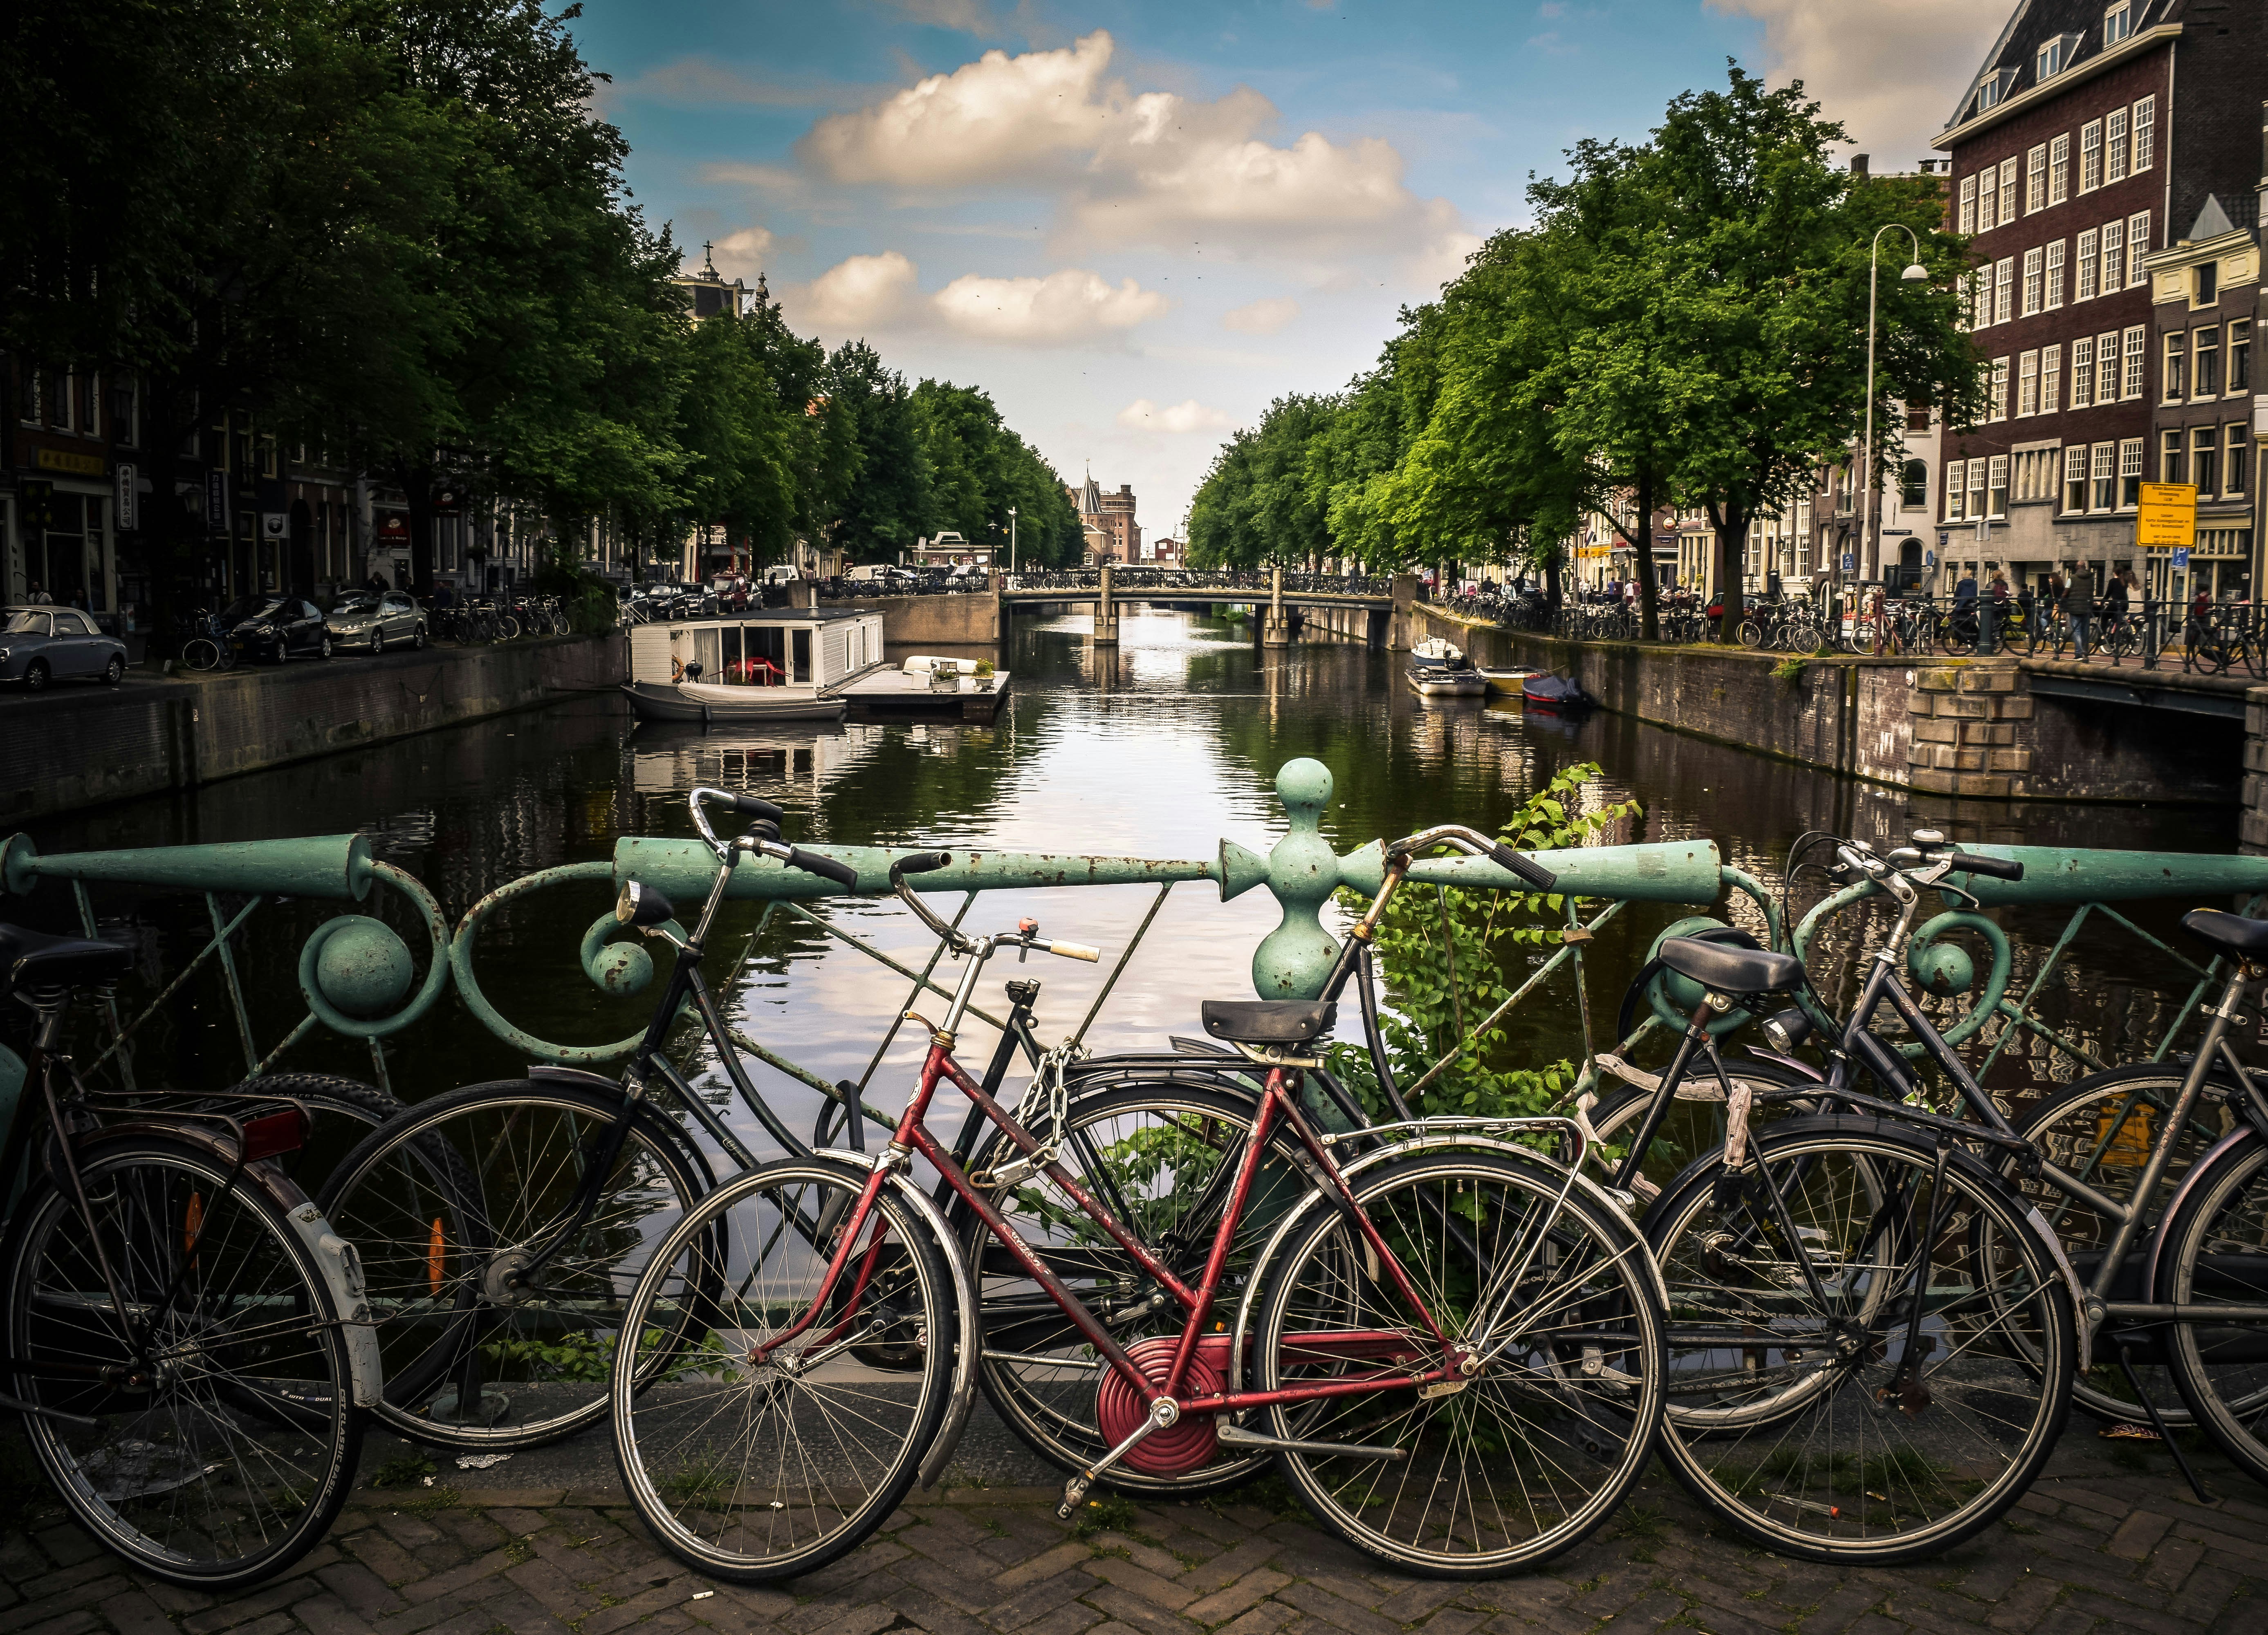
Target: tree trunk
(1732,527)
(1551,592)
(1649,600)
(417,485)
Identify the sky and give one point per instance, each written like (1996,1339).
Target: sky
(1137,225)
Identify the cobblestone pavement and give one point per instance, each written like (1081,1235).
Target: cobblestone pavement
(2106,1541)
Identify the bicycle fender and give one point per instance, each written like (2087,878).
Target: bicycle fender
(2196,1173)
(336,1258)
(1789,1063)
(964,1296)
(2046,1234)
(545,1072)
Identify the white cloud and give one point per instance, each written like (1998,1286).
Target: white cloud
(1143,415)
(743,255)
(1891,73)
(1151,167)
(1263,317)
(872,293)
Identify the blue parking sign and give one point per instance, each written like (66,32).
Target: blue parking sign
(2180,556)
(1850,563)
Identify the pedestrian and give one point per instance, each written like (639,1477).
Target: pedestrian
(2078,607)
(2028,610)
(2115,605)
(38,597)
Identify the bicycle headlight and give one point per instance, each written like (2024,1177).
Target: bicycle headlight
(1786,1028)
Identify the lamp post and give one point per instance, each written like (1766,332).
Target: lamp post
(1012,540)
(1915,273)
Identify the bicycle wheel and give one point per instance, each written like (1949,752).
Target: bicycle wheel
(1162,1158)
(1753,634)
(751,1463)
(2100,1130)
(1796,1416)
(1547,1297)
(201,653)
(450,1201)
(226,1457)
(2215,1253)
(1955,635)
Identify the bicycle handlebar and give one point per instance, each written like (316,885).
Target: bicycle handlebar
(1475,843)
(1993,868)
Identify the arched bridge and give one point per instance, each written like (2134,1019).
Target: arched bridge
(1276,590)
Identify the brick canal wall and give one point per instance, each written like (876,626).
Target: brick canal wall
(82,746)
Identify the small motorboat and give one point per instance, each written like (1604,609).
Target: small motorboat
(1440,669)
(1559,693)
(1507,683)
(692,699)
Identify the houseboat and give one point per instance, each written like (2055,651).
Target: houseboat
(766,665)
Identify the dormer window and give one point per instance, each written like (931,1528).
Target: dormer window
(2055,56)
(2117,23)
(1994,88)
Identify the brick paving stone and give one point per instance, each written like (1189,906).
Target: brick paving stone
(1233,1599)
(1265,1619)
(1072,1617)
(70,1623)
(1230,1565)
(933,1614)
(1159,1563)
(1138,1580)
(1033,1604)
(1144,1618)
(1337,1611)
(1069,1553)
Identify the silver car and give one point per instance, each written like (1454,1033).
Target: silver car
(375,619)
(42,644)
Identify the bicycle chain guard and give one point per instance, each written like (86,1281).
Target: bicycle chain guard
(1189,1442)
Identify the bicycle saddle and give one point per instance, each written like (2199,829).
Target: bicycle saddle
(1267,1021)
(33,959)
(2232,934)
(1730,970)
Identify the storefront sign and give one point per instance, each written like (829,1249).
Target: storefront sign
(130,497)
(216,501)
(274,524)
(76,464)
(2168,517)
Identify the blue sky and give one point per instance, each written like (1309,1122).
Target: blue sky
(1135,225)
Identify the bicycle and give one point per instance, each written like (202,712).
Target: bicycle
(1512,1364)
(185,1337)
(204,649)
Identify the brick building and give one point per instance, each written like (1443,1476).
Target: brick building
(1107,521)
(2071,160)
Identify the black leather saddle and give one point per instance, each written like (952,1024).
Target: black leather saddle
(2232,934)
(31,960)
(1267,1021)
(1730,970)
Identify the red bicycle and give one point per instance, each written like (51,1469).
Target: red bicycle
(1451,1345)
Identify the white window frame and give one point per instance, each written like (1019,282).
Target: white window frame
(1988,190)
(2051,379)
(2084,274)
(2114,146)
(2027,384)
(1967,218)
(2036,180)
(2117,23)
(2004,290)
(2007,190)
(2235,455)
(1956,488)
(2090,156)
(2035,280)
(2136,363)
(1998,389)
(2074,476)
(2102,486)
(2082,371)
(2113,235)
(2059,169)
(2053,297)
(2106,368)
(2145,136)
(1977,475)
(2138,246)
(2130,467)
(1996,486)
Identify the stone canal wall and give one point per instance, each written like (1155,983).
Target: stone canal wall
(77,747)
(963,619)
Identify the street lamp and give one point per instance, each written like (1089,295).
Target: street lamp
(1012,540)
(1914,273)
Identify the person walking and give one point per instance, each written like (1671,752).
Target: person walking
(2078,607)
(2115,605)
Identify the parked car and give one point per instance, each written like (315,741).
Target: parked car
(272,626)
(42,644)
(368,618)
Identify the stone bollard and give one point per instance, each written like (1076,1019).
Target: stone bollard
(1972,729)
(1106,615)
(1276,627)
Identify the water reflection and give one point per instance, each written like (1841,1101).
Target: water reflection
(1159,748)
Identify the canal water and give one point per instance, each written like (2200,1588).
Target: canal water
(1160,749)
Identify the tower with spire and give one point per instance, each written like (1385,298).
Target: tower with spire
(708,293)
(1106,521)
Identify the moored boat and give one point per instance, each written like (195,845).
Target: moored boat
(1559,693)
(1507,683)
(706,702)
(1440,669)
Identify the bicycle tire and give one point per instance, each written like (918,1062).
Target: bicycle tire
(162,1480)
(346,1111)
(439,1200)
(1051,1406)
(717,1488)
(1952,639)
(2222,1369)
(1752,635)
(201,653)
(1531,1453)
(1749,1427)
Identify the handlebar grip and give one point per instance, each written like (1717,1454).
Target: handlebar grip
(918,863)
(1076,951)
(825,868)
(749,806)
(1993,868)
(1534,873)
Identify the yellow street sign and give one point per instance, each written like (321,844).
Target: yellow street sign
(2167,520)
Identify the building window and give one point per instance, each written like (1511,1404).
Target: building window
(2007,190)
(2027,384)
(2059,169)
(1956,486)
(2146,133)
(1997,498)
(2130,385)
(2105,478)
(2171,468)
(2114,146)
(2050,378)
(59,404)
(1917,416)
(2090,156)
(1976,488)
(2075,478)
(2054,293)
(90,406)
(2232,475)
(2204,461)
(2000,388)
(2087,268)
(2082,371)
(2106,368)
(2138,246)
(1968,218)
(2130,473)
(2035,280)
(2205,380)
(2114,258)
(2036,180)
(2239,355)
(2004,289)
(2176,373)
(1914,485)
(2117,23)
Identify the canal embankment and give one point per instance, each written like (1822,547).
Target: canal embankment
(77,747)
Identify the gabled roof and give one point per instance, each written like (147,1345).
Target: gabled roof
(2014,58)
